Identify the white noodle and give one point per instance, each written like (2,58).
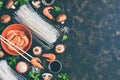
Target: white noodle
(7,73)
(41,29)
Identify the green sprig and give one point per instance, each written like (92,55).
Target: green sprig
(21,2)
(12,60)
(64,76)
(1,4)
(33,75)
(57,9)
(65,37)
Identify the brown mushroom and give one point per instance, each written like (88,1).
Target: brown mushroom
(47,76)
(10,4)
(61,18)
(1,54)
(60,48)
(5,18)
(36,4)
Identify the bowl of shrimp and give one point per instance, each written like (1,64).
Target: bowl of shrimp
(19,35)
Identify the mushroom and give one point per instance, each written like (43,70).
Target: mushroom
(5,18)
(48,2)
(37,50)
(61,18)
(22,67)
(1,54)
(10,4)
(60,48)
(36,4)
(46,11)
(47,76)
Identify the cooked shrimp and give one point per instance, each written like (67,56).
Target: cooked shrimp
(25,38)
(36,62)
(18,38)
(11,36)
(46,12)
(50,57)
(26,41)
(11,31)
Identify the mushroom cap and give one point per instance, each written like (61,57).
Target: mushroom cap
(60,48)
(36,4)
(47,76)
(37,50)
(61,18)
(1,54)
(9,4)
(5,18)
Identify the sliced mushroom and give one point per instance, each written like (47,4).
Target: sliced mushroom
(47,76)
(61,18)
(5,18)
(37,50)
(60,48)
(36,4)
(10,4)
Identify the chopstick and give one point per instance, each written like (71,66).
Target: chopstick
(7,42)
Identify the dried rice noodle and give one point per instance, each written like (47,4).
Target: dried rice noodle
(40,28)
(6,73)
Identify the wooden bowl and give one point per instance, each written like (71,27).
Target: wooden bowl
(16,27)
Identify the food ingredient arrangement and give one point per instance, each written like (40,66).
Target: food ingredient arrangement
(22,23)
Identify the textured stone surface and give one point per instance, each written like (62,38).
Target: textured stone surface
(93,47)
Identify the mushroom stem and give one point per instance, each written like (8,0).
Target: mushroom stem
(62,22)
(13,7)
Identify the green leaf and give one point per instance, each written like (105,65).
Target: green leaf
(37,75)
(36,79)
(16,2)
(1,3)
(31,74)
(64,77)
(65,37)
(10,63)
(60,75)
(22,2)
(57,9)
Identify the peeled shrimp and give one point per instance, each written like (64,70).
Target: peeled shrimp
(47,14)
(36,62)
(18,38)
(50,57)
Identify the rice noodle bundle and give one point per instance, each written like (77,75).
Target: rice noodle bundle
(40,28)
(7,73)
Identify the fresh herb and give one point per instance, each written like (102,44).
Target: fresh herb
(1,4)
(34,76)
(57,9)
(1,28)
(21,2)
(64,76)
(65,37)
(12,60)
